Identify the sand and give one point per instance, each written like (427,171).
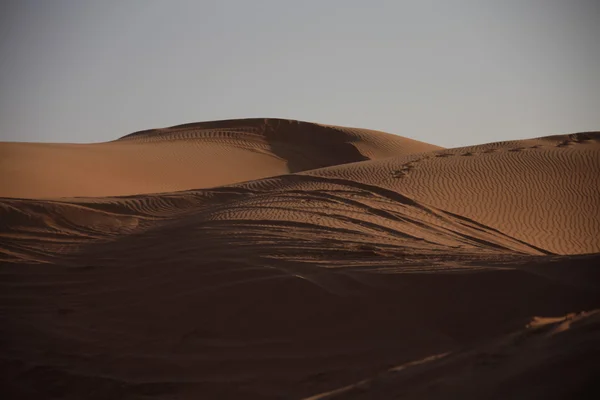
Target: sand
(190,156)
(275,259)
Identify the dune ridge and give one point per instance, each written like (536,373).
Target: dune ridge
(357,264)
(189,156)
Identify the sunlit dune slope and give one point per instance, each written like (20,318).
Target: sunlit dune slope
(190,156)
(543,191)
(531,197)
(310,217)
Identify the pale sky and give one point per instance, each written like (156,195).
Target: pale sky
(447,72)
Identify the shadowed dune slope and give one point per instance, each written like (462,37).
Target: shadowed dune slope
(255,292)
(522,365)
(189,156)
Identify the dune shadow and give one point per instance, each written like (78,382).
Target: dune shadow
(307,146)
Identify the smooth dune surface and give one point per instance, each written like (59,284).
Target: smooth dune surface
(276,259)
(189,156)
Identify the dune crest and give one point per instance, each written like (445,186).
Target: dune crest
(190,156)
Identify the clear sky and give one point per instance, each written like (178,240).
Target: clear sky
(447,72)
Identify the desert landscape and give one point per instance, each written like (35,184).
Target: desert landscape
(280,259)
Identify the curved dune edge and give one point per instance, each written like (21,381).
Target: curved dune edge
(191,156)
(297,285)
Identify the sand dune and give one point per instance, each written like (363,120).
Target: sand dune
(345,279)
(544,191)
(189,156)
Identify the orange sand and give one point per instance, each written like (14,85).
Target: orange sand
(280,259)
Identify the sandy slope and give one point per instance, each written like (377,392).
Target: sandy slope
(543,191)
(303,284)
(189,156)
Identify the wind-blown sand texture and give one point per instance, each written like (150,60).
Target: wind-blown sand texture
(190,156)
(269,258)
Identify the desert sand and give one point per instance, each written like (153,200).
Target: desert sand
(270,259)
(191,156)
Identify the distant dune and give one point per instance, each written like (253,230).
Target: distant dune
(269,258)
(190,156)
